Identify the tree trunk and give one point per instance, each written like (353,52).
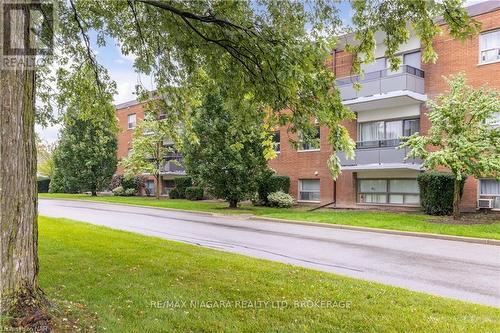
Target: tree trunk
(457,197)
(233,203)
(18,197)
(94,193)
(158,187)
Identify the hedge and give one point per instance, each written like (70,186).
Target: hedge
(436,192)
(174,194)
(194,193)
(181,184)
(270,184)
(43,185)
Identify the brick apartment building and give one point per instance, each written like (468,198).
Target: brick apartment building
(128,115)
(390,104)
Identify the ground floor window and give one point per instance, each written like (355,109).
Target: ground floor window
(389,191)
(168,185)
(490,189)
(150,187)
(309,190)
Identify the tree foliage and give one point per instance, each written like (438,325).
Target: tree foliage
(45,160)
(228,159)
(273,52)
(461,138)
(85,159)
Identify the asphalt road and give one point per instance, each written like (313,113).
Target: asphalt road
(465,271)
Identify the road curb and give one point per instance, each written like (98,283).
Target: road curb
(464,239)
(385,231)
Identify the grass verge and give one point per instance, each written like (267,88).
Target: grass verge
(373,219)
(135,283)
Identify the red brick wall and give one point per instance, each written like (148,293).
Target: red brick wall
(456,56)
(125,134)
(304,165)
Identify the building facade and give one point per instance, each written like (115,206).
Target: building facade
(129,114)
(389,105)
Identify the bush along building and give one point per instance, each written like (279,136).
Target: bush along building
(389,105)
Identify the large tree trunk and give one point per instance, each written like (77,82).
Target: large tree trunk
(457,197)
(18,197)
(233,203)
(158,187)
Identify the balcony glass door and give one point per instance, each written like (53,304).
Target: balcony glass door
(393,131)
(376,66)
(381,133)
(412,59)
(371,133)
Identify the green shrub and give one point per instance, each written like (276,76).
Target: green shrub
(135,182)
(270,183)
(280,199)
(43,185)
(181,184)
(130,192)
(436,192)
(194,193)
(118,191)
(174,194)
(115,182)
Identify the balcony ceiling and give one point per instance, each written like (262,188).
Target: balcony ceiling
(384,166)
(383,101)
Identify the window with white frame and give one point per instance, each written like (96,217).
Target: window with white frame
(277,141)
(385,133)
(494,120)
(150,187)
(309,190)
(490,189)
(389,191)
(314,143)
(489,46)
(131,120)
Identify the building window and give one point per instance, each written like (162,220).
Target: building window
(389,191)
(131,119)
(313,145)
(413,59)
(309,190)
(490,189)
(489,47)
(385,133)
(494,121)
(277,141)
(168,185)
(150,187)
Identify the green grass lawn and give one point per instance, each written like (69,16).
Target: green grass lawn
(126,280)
(373,219)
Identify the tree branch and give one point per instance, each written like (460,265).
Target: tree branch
(86,39)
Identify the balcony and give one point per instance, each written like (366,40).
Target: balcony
(403,87)
(173,164)
(379,155)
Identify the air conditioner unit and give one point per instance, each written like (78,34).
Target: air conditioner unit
(485,203)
